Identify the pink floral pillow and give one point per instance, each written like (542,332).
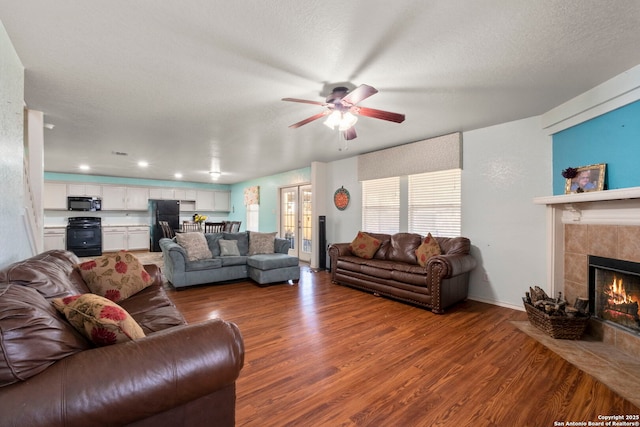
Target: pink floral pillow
(427,249)
(115,276)
(100,320)
(364,245)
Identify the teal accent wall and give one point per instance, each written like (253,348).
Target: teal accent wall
(70,177)
(269,187)
(613,138)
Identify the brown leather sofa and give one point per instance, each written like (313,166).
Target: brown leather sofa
(177,375)
(394,271)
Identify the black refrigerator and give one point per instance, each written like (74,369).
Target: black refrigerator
(162,210)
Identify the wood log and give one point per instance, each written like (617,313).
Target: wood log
(582,305)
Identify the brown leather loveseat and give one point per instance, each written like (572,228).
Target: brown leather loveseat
(50,375)
(394,270)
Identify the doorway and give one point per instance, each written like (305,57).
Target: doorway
(296,219)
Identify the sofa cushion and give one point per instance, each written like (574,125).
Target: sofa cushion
(403,247)
(427,249)
(115,276)
(272,261)
(153,310)
(100,320)
(364,245)
(195,244)
(233,260)
(203,264)
(51,273)
(33,335)
(242,238)
(212,242)
(261,243)
(228,248)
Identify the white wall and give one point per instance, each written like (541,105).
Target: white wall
(13,235)
(504,168)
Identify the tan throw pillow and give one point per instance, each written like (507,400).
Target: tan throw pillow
(195,244)
(229,247)
(261,243)
(364,245)
(427,249)
(115,276)
(99,319)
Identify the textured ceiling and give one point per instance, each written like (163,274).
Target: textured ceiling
(195,86)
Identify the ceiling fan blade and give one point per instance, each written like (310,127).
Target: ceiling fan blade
(309,119)
(358,94)
(350,133)
(378,114)
(304,101)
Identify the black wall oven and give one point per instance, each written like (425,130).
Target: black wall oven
(84,236)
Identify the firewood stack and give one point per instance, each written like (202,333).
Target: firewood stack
(539,299)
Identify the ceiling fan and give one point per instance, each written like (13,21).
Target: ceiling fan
(342,110)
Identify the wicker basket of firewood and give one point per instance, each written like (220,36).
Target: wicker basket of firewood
(554,316)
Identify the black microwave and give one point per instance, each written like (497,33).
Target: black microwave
(84,204)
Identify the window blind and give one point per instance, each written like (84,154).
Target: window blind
(381,205)
(434,203)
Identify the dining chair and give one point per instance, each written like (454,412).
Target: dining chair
(232,226)
(191,226)
(213,227)
(167,232)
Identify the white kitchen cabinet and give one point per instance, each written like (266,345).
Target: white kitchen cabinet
(114,198)
(205,201)
(54,195)
(114,238)
(137,198)
(137,238)
(222,201)
(183,194)
(84,190)
(155,193)
(55,238)
(159,193)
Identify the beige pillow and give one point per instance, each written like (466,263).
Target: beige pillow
(195,244)
(261,243)
(115,276)
(228,247)
(427,249)
(102,321)
(364,246)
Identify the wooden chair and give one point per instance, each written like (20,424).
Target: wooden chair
(188,226)
(167,232)
(213,227)
(232,226)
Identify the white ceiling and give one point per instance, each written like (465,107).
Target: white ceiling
(193,86)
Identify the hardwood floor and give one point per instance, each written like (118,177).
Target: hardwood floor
(319,354)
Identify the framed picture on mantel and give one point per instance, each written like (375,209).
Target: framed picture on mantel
(588,178)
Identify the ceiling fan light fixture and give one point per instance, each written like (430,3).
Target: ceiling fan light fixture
(333,119)
(347,121)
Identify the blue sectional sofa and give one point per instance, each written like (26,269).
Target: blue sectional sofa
(263,268)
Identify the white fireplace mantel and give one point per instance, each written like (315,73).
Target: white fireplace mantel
(620,206)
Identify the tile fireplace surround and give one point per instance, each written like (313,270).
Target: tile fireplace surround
(606,224)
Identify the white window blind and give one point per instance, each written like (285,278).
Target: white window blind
(434,203)
(381,205)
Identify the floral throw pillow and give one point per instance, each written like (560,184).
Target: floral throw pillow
(195,244)
(364,245)
(100,320)
(427,249)
(115,276)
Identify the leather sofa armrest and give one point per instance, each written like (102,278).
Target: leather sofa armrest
(446,266)
(122,383)
(337,250)
(154,272)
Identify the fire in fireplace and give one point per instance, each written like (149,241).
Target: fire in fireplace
(614,291)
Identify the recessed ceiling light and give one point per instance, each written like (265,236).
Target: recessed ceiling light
(178,175)
(84,167)
(143,164)
(215,175)
(49,126)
